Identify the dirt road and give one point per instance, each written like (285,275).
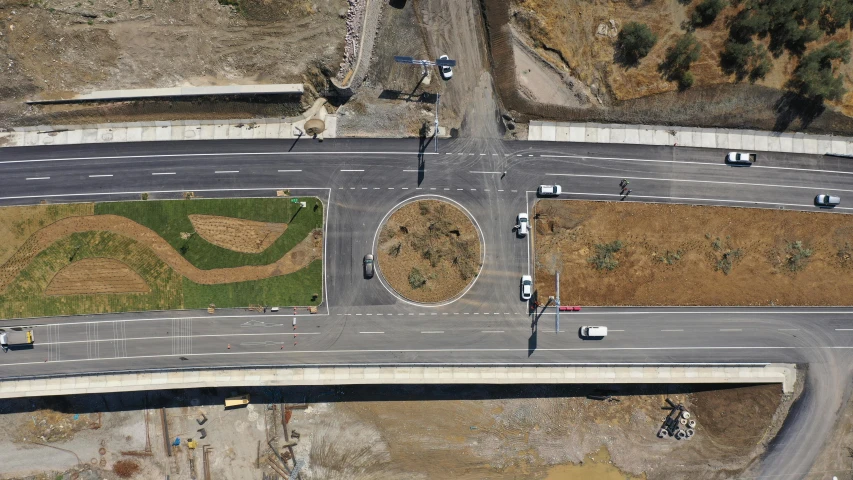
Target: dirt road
(454,28)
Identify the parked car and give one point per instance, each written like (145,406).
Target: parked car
(368,266)
(526,287)
(549,190)
(522,225)
(824,200)
(593,332)
(446,72)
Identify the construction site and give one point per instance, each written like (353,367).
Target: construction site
(369,432)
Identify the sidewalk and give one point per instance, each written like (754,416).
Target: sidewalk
(722,138)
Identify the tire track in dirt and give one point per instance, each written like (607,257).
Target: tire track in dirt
(299,257)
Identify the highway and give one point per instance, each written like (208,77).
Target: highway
(362,322)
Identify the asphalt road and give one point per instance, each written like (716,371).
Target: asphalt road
(362,180)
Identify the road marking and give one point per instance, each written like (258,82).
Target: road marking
(616,330)
(715,164)
(480,171)
(447,189)
(676,330)
(434,331)
(491,331)
(38,178)
(227,171)
(235,154)
(376,333)
(404,188)
(482,154)
(742,184)
(412,171)
(376,188)
(844,329)
(352,170)
(789,329)
(177,337)
(98,176)
(716,200)
(458,189)
(731,329)
(283,171)
(163,173)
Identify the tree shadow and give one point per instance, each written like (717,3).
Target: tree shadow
(791,107)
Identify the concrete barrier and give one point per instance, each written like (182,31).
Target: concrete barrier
(143,93)
(367,374)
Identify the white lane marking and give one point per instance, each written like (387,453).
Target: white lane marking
(163,173)
(413,171)
(480,171)
(434,331)
(716,164)
(616,330)
(458,189)
(376,333)
(844,329)
(283,171)
(404,188)
(731,329)
(98,176)
(352,170)
(674,330)
(227,171)
(172,337)
(691,199)
(491,331)
(235,154)
(482,154)
(38,178)
(789,329)
(743,184)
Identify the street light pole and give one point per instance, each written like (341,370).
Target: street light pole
(435,130)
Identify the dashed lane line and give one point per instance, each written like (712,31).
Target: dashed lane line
(288,171)
(673,330)
(163,173)
(38,178)
(99,176)
(374,333)
(353,170)
(434,331)
(226,171)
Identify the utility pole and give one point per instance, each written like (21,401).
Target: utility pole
(557,328)
(435,130)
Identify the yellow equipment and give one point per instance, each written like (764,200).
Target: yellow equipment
(237,401)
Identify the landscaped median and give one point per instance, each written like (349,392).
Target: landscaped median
(159,255)
(611,253)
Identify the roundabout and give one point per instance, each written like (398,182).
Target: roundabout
(429,250)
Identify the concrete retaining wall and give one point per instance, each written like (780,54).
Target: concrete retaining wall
(402,374)
(143,93)
(723,138)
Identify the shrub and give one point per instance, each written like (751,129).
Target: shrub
(670,258)
(745,60)
(604,255)
(797,256)
(835,14)
(679,57)
(706,12)
(144,196)
(416,278)
(634,42)
(813,78)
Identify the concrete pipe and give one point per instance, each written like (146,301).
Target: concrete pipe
(691,424)
(685,414)
(663,433)
(680,434)
(689,432)
(683,421)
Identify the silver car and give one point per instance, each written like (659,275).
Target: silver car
(368,266)
(824,200)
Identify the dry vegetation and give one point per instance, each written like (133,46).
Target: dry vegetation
(564,33)
(692,255)
(96,275)
(237,234)
(17,224)
(429,251)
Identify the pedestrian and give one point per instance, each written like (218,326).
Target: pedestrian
(503,174)
(623,190)
(623,182)
(628,193)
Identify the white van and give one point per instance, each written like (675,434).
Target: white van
(593,332)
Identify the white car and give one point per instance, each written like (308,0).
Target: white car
(526,287)
(593,332)
(522,225)
(446,72)
(549,190)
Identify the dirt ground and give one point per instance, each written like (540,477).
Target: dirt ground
(385,433)
(834,460)
(678,255)
(237,234)
(540,81)
(429,251)
(96,275)
(565,33)
(53,47)
(297,258)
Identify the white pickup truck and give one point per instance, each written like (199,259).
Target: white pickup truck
(741,158)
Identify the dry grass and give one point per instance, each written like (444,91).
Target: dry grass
(247,236)
(429,251)
(564,33)
(679,255)
(125,468)
(96,275)
(17,224)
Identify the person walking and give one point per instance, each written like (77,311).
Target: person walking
(624,183)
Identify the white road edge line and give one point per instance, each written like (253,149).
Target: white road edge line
(235,154)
